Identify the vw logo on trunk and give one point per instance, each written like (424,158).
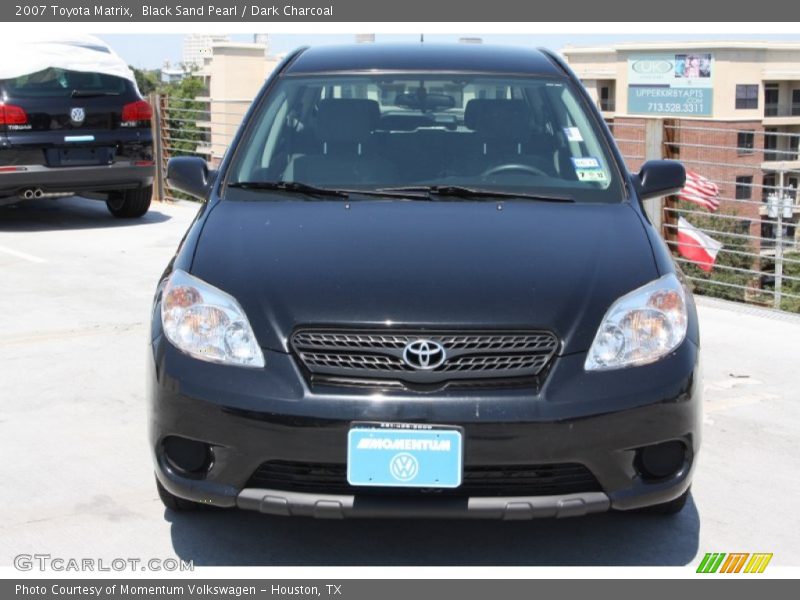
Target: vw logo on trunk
(424,354)
(77,116)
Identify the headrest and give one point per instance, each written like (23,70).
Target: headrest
(346,119)
(497,118)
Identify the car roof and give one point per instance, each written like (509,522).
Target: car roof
(473,58)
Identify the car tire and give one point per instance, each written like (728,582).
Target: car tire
(175,503)
(673,507)
(130,204)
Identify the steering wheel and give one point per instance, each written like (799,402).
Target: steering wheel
(513,167)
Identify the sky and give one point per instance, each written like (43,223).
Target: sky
(161,47)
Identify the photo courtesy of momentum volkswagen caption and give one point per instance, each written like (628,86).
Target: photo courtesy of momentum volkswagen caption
(423,284)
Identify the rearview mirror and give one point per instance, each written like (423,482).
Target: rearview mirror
(660,178)
(190,175)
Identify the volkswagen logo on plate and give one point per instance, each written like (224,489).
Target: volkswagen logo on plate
(424,354)
(77,115)
(404,467)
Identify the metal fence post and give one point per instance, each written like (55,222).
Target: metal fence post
(653,149)
(670,150)
(776,299)
(158,147)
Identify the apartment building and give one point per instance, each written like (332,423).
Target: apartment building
(197,47)
(233,73)
(735,108)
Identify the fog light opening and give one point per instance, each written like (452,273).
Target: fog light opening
(660,461)
(187,457)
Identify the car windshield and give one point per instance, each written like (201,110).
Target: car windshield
(526,135)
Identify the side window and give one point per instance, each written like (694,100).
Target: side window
(587,156)
(260,153)
(280,124)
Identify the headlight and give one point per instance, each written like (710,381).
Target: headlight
(206,323)
(641,327)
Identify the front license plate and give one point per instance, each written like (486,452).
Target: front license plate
(396,455)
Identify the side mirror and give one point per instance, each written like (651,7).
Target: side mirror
(660,178)
(190,175)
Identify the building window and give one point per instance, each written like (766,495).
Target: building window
(795,103)
(745,141)
(746,96)
(791,188)
(770,144)
(768,187)
(771,96)
(744,187)
(606,99)
(769,231)
(743,226)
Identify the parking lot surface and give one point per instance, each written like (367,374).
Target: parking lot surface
(75,291)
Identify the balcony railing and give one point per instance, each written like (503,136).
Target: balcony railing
(607,105)
(777,110)
(780,155)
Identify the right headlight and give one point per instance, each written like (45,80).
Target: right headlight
(207,323)
(641,326)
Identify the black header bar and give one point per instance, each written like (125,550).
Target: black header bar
(450,11)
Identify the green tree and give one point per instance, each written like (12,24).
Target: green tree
(737,253)
(182,113)
(790,284)
(146,80)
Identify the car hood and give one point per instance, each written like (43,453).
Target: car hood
(394,263)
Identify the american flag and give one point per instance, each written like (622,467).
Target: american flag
(700,190)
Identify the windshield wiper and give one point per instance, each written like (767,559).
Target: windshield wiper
(457,191)
(289,186)
(91,93)
(312,190)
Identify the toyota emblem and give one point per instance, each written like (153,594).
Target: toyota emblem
(424,354)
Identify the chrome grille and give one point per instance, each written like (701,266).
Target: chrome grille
(365,357)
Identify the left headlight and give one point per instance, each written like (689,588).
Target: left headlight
(641,327)
(206,323)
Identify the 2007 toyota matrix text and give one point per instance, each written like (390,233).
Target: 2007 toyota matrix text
(423,284)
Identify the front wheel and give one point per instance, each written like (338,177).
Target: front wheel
(130,204)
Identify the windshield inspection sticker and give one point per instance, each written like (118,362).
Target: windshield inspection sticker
(587,162)
(573,134)
(590,174)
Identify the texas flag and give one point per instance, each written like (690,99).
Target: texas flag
(696,246)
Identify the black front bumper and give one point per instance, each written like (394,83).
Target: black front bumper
(598,420)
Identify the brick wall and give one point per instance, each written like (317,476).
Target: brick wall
(709,148)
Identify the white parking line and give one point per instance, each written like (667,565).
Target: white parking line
(22,255)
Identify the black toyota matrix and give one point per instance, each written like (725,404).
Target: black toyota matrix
(423,284)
